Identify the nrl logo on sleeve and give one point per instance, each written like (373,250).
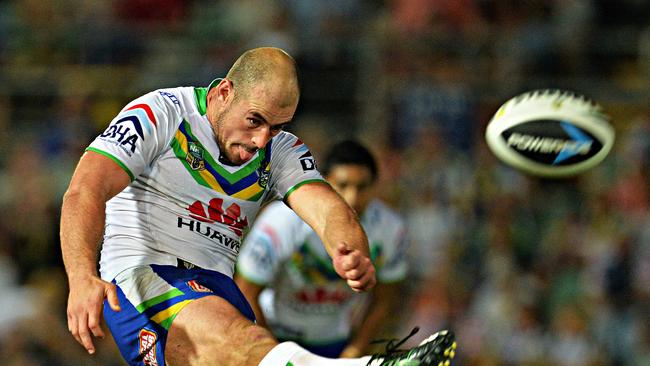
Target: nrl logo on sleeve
(195,156)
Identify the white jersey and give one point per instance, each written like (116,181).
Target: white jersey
(305,299)
(183,203)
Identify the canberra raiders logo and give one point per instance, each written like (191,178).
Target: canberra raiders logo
(195,156)
(264,171)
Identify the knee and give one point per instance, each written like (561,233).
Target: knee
(250,332)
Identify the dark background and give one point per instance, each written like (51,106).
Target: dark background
(526,271)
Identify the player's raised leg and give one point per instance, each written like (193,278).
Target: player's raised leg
(210,331)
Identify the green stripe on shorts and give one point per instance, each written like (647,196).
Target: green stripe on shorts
(158,299)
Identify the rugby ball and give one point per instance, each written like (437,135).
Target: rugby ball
(550,133)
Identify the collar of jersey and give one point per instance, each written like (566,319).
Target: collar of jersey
(201,96)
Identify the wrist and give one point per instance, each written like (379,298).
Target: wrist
(80,275)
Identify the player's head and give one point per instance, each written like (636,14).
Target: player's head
(351,170)
(258,96)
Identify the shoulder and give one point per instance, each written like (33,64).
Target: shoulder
(379,213)
(286,146)
(184,99)
(157,105)
(286,141)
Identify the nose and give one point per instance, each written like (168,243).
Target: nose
(351,196)
(261,137)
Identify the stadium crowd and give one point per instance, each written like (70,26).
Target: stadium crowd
(526,271)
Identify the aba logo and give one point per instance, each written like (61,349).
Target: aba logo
(195,156)
(147,341)
(128,130)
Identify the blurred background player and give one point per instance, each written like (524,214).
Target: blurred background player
(287,277)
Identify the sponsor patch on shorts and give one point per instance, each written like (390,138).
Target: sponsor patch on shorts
(147,340)
(195,286)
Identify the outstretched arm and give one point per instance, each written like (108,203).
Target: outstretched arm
(338,227)
(95,180)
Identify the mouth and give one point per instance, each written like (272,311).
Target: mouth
(246,153)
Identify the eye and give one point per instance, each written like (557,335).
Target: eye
(363,186)
(276,129)
(254,122)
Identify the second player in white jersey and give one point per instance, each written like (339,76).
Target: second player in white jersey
(304,300)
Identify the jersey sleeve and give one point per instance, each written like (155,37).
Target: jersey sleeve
(292,165)
(270,241)
(395,265)
(139,133)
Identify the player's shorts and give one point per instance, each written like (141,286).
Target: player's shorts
(151,296)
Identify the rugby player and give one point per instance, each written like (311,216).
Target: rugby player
(169,189)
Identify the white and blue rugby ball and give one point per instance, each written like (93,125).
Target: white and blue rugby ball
(550,133)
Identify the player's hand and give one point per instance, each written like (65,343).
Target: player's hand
(85,303)
(355,268)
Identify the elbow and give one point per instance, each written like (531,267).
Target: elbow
(77,199)
(69,196)
(72,196)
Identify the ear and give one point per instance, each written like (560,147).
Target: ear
(222,91)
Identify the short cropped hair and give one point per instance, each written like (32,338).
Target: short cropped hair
(350,152)
(265,65)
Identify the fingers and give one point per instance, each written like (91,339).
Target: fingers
(366,282)
(355,268)
(73,327)
(85,312)
(111,297)
(79,329)
(351,260)
(93,323)
(84,335)
(342,249)
(359,270)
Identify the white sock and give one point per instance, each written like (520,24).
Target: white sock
(289,353)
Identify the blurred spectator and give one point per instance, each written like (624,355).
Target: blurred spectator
(527,271)
(434,95)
